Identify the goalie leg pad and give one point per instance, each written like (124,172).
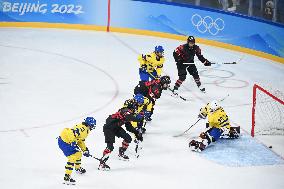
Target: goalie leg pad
(230,133)
(234,132)
(198,145)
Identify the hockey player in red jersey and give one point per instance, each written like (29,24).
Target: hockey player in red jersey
(184,57)
(152,90)
(113,128)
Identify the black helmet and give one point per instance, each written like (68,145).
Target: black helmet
(131,104)
(165,81)
(190,39)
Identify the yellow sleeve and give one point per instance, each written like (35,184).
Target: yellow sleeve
(82,145)
(141,60)
(205,110)
(159,71)
(160,66)
(149,106)
(82,132)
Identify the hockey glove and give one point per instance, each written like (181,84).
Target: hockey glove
(139,137)
(201,116)
(140,116)
(207,63)
(147,115)
(86,153)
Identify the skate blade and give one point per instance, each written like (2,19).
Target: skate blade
(80,173)
(68,183)
(175,96)
(103,169)
(122,159)
(192,148)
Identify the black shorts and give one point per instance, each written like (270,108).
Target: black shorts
(191,69)
(110,134)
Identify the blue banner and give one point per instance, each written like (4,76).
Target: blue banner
(59,11)
(203,23)
(161,17)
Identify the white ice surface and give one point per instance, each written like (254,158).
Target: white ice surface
(51,79)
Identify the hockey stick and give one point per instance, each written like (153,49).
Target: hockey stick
(137,151)
(224,63)
(177,94)
(187,129)
(188,63)
(222,99)
(100,160)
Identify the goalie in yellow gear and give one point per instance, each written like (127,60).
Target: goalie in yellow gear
(218,126)
(72,141)
(151,64)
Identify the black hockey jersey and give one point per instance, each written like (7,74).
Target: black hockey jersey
(184,53)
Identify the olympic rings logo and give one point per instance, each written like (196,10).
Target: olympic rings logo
(207,24)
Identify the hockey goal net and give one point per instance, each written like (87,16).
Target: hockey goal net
(267,111)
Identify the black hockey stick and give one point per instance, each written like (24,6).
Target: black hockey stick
(177,94)
(188,63)
(137,141)
(187,129)
(100,160)
(224,63)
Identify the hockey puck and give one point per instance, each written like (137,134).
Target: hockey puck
(270,146)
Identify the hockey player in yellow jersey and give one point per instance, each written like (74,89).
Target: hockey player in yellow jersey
(151,64)
(144,107)
(72,141)
(218,126)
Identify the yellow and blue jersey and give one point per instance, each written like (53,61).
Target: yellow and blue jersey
(146,106)
(76,135)
(152,63)
(216,119)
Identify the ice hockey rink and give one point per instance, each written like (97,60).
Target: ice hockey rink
(51,79)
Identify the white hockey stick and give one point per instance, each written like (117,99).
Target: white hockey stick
(187,129)
(222,99)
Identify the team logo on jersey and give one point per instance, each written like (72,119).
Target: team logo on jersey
(207,24)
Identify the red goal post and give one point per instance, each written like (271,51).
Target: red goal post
(268,105)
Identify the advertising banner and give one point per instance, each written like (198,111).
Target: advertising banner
(203,23)
(160,17)
(54,11)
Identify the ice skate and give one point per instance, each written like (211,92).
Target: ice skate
(68,180)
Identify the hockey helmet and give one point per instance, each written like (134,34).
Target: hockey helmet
(165,81)
(159,50)
(139,98)
(191,39)
(214,105)
(90,122)
(132,104)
